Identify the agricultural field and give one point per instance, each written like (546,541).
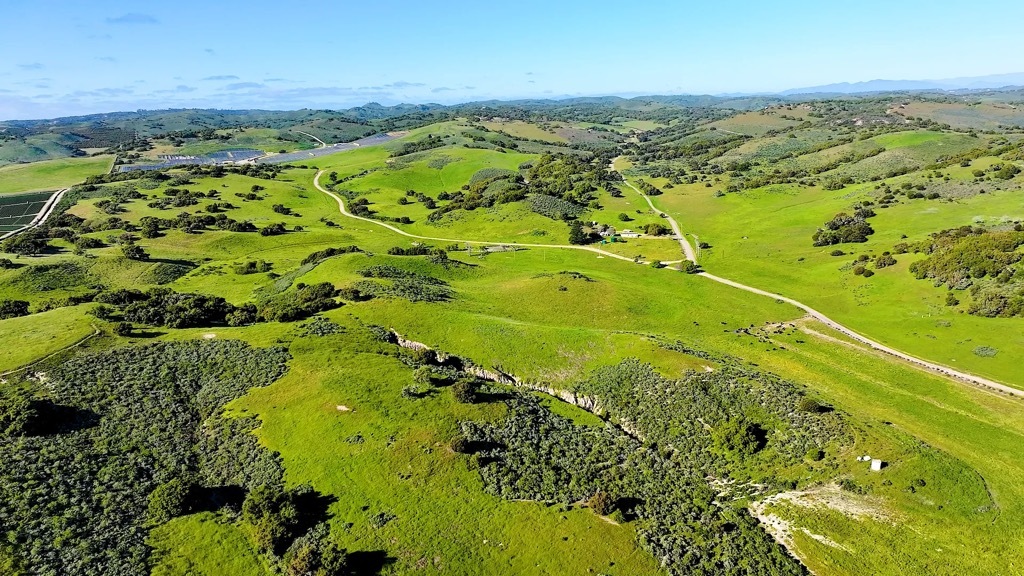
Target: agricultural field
(525,130)
(759,123)
(442,353)
(975,116)
(51,174)
(18,210)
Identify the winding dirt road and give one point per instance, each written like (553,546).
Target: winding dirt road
(691,256)
(687,249)
(345,212)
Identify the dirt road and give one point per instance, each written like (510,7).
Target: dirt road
(345,212)
(931,366)
(688,251)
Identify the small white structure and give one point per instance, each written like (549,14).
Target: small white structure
(864,458)
(876,465)
(627,233)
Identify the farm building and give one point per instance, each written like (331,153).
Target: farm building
(627,233)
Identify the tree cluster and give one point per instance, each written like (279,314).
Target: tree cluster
(842,229)
(124,445)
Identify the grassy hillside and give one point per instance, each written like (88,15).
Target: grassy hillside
(51,174)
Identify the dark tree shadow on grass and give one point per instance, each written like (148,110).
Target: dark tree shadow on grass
(313,509)
(146,334)
(488,396)
(628,507)
(175,262)
(368,563)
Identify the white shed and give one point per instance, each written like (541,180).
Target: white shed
(876,465)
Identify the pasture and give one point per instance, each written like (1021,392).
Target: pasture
(51,174)
(763,238)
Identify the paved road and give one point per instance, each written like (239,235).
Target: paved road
(688,251)
(322,143)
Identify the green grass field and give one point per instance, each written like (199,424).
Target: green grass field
(41,334)
(51,174)
(762,238)
(405,467)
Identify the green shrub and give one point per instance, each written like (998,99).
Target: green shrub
(132,419)
(314,554)
(601,503)
(690,267)
(253,267)
(985,351)
(849,485)
(843,228)
(656,229)
(884,261)
(739,437)
(464,391)
(167,501)
(460,445)
(554,207)
(320,256)
(16,410)
(808,404)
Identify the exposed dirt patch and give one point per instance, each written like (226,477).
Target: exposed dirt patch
(830,497)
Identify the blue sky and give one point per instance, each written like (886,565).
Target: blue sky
(74,57)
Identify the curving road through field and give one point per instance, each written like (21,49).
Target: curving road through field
(345,212)
(683,243)
(690,255)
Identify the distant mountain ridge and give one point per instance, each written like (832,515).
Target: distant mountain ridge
(966,83)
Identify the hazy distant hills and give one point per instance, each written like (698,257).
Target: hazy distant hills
(969,83)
